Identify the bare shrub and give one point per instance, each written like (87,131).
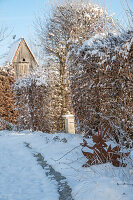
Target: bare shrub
(8,113)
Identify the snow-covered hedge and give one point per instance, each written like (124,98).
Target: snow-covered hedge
(38,106)
(101,75)
(31,102)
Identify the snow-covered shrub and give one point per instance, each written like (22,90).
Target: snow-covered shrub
(31,99)
(101,82)
(38,103)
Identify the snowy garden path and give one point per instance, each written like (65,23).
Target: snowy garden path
(38,166)
(64,189)
(20,176)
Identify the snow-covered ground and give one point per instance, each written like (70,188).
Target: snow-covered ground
(23,178)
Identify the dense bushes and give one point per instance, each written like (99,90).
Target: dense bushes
(32,102)
(38,106)
(101,75)
(8,113)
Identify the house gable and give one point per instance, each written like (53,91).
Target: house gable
(23,53)
(21,58)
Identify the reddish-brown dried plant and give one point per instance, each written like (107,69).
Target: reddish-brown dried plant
(103,153)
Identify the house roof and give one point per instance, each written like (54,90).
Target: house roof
(13,50)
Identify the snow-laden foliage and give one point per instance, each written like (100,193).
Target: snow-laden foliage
(38,76)
(104,44)
(38,101)
(101,82)
(30,101)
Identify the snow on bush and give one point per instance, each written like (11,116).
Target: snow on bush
(31,102)
(31,98)
(38,102)
(101,82)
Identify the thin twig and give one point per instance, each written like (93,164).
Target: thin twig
(125,184)
(67,153)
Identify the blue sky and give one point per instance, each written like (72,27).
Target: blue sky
(20,14)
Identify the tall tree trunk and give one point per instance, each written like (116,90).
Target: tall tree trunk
(63,94)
